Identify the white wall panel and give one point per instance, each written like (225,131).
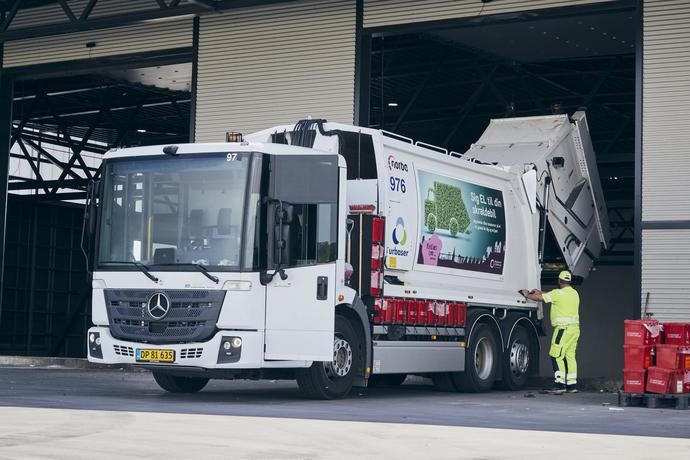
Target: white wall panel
(394,12)
(273,64)
(665,273)
(142,37)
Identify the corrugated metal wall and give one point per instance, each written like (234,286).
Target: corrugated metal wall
(666,89)
(149,36)
(263,66)
(665,273)
(394,12)
(665,155)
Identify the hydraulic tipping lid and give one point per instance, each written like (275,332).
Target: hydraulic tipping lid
(568,188)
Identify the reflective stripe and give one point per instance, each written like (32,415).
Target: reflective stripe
(565,321)
(558,377)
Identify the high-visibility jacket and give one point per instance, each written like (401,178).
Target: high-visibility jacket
(565,306)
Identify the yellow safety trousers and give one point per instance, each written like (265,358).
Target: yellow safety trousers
(562,352)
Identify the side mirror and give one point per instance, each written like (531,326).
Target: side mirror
(91,208)
(284,217)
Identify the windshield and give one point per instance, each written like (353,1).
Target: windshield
(175,210)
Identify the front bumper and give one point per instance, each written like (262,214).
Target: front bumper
(207,355)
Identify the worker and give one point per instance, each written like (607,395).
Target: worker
(565,304)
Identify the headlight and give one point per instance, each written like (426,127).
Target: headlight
(92,337)
(226,345)
(236,342)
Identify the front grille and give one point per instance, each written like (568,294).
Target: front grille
(123,350)
(191,353)
(192,315)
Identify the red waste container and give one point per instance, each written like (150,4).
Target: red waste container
(411,311)
(663,381)
(638,356)
(642,332)
(677,334)
(672,356)
(634,380)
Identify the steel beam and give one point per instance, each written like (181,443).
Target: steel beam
(28,184)
(85,21)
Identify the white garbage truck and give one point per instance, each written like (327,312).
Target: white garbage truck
(337,255)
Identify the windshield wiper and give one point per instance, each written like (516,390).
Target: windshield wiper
(202,268)
(144,269)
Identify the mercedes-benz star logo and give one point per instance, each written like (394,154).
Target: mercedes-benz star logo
(158,305)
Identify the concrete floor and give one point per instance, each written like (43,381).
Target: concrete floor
(106,413)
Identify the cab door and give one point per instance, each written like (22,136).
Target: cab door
(303,247)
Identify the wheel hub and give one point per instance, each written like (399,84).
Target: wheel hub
(519,358)
(483,359)
(342,359)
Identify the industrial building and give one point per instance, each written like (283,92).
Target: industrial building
(79,77)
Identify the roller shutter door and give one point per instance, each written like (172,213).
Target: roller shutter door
(666,90)
(665,273)
(138,38)
(665,165)
(394,12)
(273,64)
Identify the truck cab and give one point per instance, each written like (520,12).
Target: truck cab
(218,256)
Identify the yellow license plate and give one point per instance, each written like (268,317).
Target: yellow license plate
(155,356)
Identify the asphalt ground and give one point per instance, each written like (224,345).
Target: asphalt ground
(136,392)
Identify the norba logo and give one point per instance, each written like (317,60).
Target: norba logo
(399,232)
(394,164)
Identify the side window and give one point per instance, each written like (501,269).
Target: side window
(313,234)
(358,151)
(309,184)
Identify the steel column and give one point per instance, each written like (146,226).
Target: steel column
(6,90)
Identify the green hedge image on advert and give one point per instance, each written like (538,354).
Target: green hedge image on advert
(445,210)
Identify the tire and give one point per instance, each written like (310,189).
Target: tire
(516,360)
(481,362)
(333,380)
(391,380)
(177,384)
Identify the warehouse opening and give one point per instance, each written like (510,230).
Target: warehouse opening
(441,83)
(63,121)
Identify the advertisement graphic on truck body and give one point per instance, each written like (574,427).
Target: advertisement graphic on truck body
(463,225)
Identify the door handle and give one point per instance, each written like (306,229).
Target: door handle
(322,288)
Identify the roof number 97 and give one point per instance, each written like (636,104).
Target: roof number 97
(231,157)
(397,184)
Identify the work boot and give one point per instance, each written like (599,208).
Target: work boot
(572,388)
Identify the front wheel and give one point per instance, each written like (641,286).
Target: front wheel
(178,384)
(333,380)
(481,362)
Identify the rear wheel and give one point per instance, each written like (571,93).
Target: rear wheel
(178,384)
(481,362)
(516,360)
(333,380)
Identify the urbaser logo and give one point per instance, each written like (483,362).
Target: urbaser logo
(392,164)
